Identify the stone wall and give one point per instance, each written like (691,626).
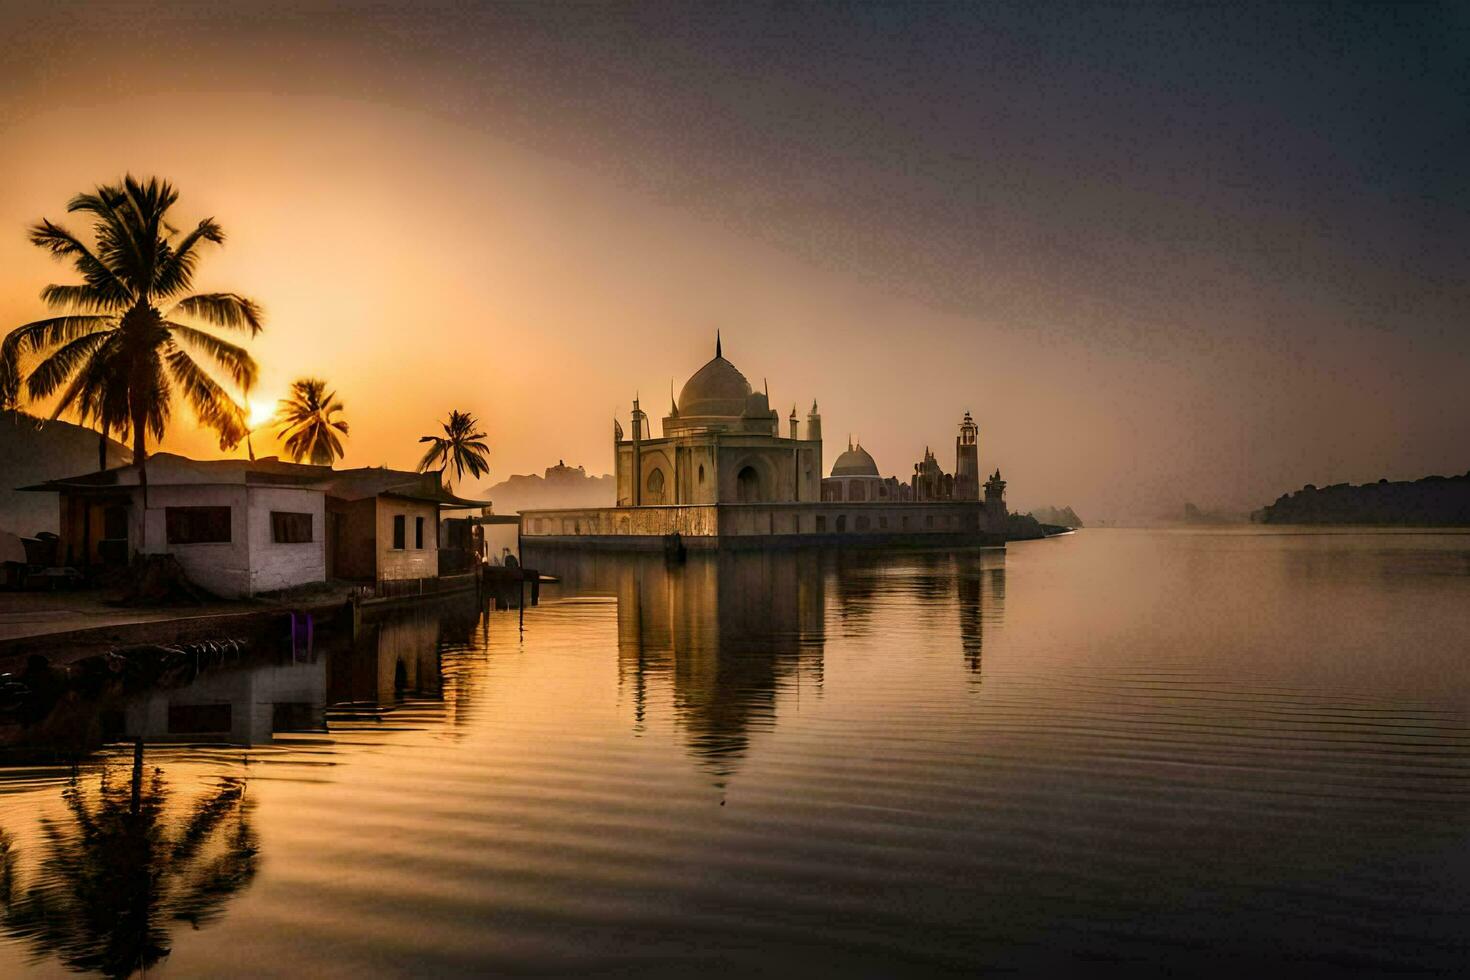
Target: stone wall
(749,523)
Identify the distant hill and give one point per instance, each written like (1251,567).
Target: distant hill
(1430,502)
(33,455)
(562,486)
(1062,516)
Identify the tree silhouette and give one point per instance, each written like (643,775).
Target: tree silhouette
(307,424)
(115,357)
(115,873)
(460,446)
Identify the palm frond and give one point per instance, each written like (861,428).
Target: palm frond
(63,244)
(236,360)
(212,405)
(176,272)
(52,372)
(223,310)
(87,298)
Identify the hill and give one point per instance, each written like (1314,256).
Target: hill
(1430,502)
(1062,516)
(32,452)
(562,486)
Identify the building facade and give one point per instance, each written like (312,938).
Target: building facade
(721,444)
(723,474)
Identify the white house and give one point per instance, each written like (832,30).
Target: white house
(242,527)
(237,527)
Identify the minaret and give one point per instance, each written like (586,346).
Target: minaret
(793,423)
(967,460)
(638,425)
(813,424)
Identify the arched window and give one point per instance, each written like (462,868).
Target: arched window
(841,523)
(748,486)
(656,486)
(701,472)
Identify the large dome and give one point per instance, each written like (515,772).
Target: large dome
(717,390)
(855,462)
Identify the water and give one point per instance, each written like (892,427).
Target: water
(1119,750)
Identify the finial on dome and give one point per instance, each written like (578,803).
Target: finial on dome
(717,344)
(849,442)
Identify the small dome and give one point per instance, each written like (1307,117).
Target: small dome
(855,462)
(717,390)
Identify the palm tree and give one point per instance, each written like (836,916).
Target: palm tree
(460,446)
(307,424)
(113,353)
(112,880)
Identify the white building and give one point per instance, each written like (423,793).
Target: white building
(237,527)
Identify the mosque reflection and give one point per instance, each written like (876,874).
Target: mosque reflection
(720,637)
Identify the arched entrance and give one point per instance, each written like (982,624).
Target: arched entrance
(748,486)
(656,486)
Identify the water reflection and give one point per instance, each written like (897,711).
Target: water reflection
(719,636)
(125,864)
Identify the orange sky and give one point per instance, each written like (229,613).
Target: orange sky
(427,235)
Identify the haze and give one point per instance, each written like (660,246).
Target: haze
(1203,255)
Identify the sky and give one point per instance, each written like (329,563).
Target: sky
(1163,253)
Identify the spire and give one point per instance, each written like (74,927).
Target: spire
(766,384)
(814,406)
(717,344)
(793,409)
(849,442)
(673,405)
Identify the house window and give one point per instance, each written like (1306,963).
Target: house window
(701,472)
(400,532)
(290,528)
(821,523)
(197,525)
(418,533)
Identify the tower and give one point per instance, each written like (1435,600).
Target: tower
(639,424)
(967,460)
(793,422)
(813,424)
(995,504)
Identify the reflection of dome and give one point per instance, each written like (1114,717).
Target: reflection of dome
(717,390)
(855,462)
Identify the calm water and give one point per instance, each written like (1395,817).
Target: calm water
(1116,750)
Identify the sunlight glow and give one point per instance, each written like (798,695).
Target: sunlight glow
(262,410)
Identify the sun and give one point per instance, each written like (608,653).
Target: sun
(261,411)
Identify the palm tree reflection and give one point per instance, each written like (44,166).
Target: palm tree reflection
(119,869)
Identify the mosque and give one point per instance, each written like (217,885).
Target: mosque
(722,474)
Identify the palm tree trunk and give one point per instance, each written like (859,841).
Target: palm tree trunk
(140,454)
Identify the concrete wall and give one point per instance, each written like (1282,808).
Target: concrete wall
(352,552)
(410,562)
(732,522)
(250,561)
(277,565)
(224,567)
(690,521)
